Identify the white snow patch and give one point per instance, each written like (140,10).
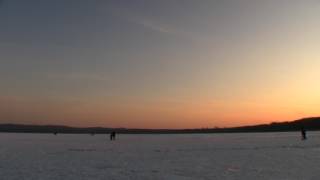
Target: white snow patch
(160,157)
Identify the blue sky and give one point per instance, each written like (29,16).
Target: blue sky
(104,54)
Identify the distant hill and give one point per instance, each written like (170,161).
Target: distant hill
(312,123)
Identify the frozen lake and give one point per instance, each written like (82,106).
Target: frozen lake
(160,157)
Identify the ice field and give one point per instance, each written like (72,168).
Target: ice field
(160,157)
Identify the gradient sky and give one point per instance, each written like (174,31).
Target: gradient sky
(159,64)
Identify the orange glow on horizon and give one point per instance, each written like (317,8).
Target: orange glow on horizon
(158,115)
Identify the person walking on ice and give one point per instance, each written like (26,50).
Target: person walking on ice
(303,133)
(112,136)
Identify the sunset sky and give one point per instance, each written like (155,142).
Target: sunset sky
(159,63)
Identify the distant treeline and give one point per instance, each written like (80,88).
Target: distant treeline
(312,123)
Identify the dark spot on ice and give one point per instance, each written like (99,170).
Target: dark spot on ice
(107,166)
(82,150)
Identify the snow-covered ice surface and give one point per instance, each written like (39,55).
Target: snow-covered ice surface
(160,157)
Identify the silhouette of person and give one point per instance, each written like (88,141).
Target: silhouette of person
(303,133)
(113,136)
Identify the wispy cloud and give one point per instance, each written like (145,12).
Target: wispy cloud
(154,26)
(148,22)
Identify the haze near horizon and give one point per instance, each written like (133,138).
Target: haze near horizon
(159,64)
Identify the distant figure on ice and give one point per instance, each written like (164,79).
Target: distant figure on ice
(113,136)
(303,133)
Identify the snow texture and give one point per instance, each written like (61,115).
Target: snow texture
(160,157)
